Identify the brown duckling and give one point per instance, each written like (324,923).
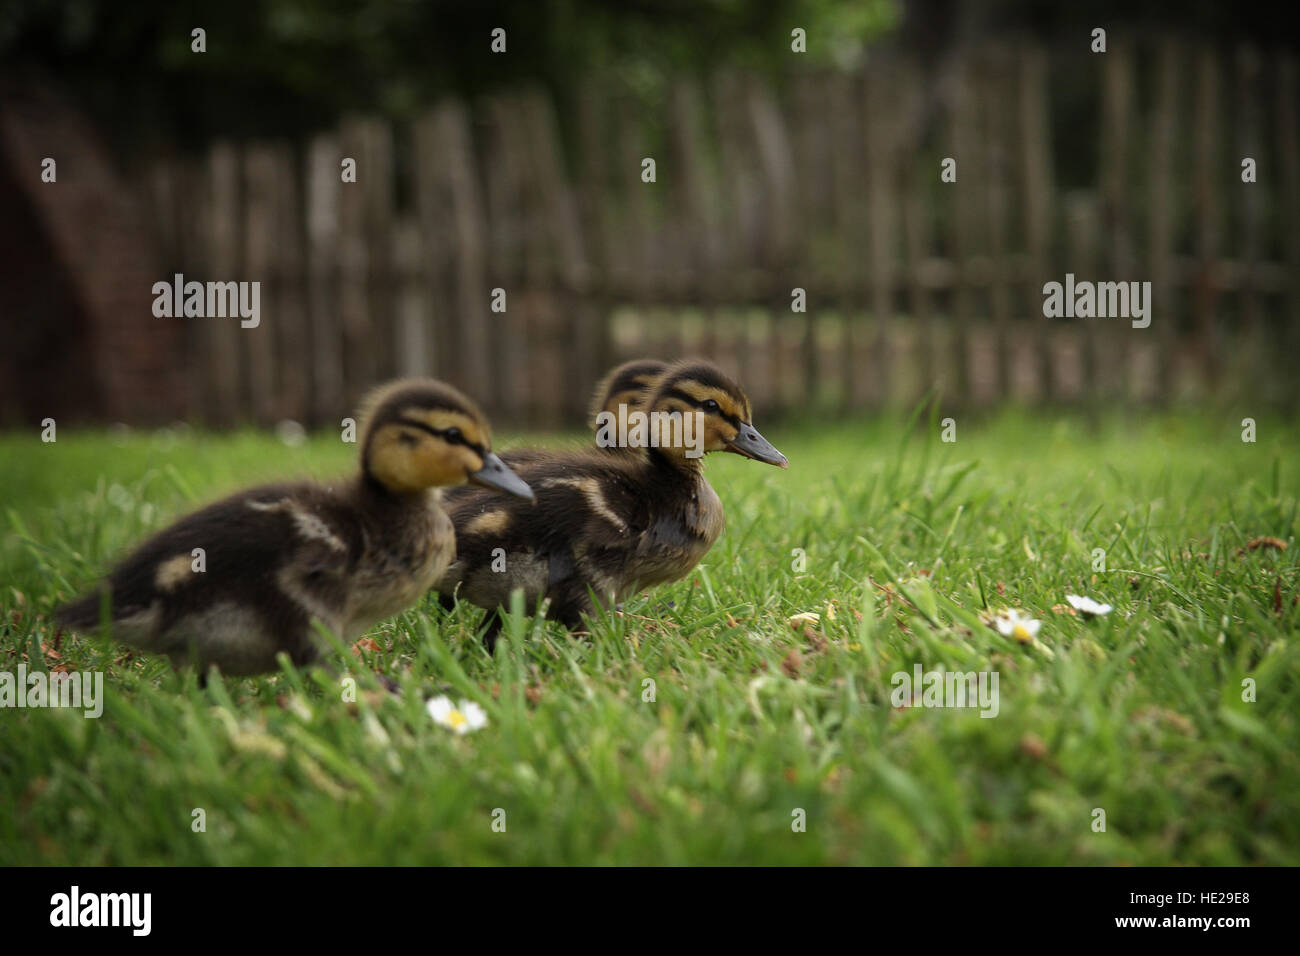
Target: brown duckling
(626,385)
(608,524)
(237,582)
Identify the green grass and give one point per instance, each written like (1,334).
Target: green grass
(1139,713)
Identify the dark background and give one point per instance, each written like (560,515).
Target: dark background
(776,171)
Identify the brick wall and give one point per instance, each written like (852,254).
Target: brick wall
(77,264)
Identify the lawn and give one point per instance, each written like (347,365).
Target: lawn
(759,740)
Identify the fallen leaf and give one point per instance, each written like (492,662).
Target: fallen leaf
(1180,722)
(1255,544)
(792,663)
(1031,745)
(642,802)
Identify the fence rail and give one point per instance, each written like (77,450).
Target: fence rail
(826,182)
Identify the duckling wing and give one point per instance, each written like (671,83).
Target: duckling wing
(597,521)
(240,578)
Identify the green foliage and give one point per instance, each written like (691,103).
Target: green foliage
(1139,713)
(283,67)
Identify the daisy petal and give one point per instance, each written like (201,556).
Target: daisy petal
(1086,605)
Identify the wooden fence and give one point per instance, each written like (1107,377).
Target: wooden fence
(822,181)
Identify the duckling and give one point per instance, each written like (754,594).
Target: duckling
(276,558)
(607,524)
(626,385)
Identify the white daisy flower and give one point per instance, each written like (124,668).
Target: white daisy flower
(1017,624)
(461,718)
(1086,605)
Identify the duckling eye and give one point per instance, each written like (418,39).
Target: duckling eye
(709,405)
(453,436)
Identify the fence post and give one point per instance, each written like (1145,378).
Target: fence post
(1209,179)
(261,251)
(1288,157)
(322,221)
(221,344)
(1161,215)
(880,130)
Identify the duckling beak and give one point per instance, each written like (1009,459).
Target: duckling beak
(751,444)
(495,474)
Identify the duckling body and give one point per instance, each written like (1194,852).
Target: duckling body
(607,523)
(273,559)
(246,578)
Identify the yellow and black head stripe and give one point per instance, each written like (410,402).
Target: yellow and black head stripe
(629,384)
(434,402)
(634,376)
(452,436)
(731,419)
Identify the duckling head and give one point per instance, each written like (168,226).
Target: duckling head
(628,384)
(721,409)
(419,434)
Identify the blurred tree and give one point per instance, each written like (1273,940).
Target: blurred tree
(282,67)
(285,66)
